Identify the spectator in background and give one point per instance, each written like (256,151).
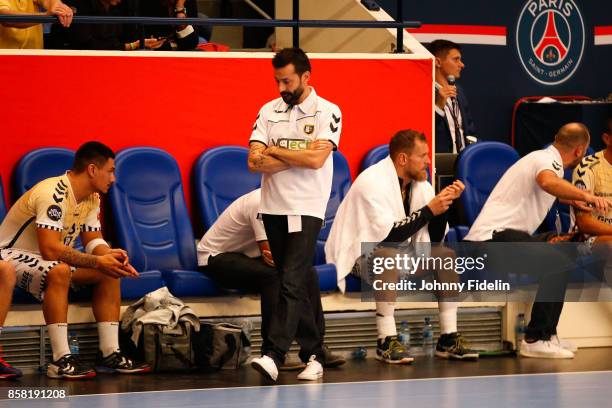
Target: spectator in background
(29,35)
(181,38)
(453,119)
(97,36)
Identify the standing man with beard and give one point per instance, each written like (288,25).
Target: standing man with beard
(291,145)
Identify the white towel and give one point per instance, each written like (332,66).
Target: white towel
(368,212)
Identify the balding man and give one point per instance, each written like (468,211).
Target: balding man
(516,208)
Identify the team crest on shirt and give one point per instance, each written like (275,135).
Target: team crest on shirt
(580,184)
(550,39)
(54,212)
(308,129)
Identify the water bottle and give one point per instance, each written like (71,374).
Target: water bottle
(73,343)
(519,331)
(404,335)
(428,338)
(359,353)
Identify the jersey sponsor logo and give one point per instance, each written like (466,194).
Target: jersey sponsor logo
(550,40)
(580,184)
(293,144)
(308,129)
(54,212)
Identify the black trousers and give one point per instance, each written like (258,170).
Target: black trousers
(552,283)
(293,254)
(238,271)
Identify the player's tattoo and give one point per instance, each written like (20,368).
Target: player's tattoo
(75,258)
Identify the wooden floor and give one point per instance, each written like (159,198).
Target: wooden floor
(594,359)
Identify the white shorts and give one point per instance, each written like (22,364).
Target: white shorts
(31,270)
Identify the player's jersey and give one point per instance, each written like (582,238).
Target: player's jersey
(594,174)
(49,204)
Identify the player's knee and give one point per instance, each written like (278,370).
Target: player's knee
(7,274)
(59,276)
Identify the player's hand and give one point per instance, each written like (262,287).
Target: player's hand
(266,256)
(581,206)
(153,43)
(111,266)
(440,203)
(601,204)
(121,255)
(455,189)
(445,92)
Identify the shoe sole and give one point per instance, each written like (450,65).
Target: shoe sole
(315,378)
(334,364)
(8,376)
(405,360)
(292,368)
(108,370)
(448,356)
(262,371)
(543,355)
(72,377)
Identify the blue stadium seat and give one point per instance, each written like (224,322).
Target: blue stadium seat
(221,176)
(480,166)
(40,164)
(2,201)
(374,156)
(152,224)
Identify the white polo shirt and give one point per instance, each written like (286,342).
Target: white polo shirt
(236,230)
(517,201)
(297,190)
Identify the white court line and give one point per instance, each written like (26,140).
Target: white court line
(350,382)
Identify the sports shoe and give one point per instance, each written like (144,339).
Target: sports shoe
(7,371)
(454,346)
(544,349)
(332,360)
(566,344)
(266,367)
(313,370)
(70,368)
(117,362)
(391,351)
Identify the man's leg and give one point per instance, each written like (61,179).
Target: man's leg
(106,303)
(7,284)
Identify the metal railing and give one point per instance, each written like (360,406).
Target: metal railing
(294,23)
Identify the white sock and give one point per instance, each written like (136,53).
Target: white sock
(108,334)
(385,321)
(448,317)
(58,334)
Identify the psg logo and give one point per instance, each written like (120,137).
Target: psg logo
(550,39)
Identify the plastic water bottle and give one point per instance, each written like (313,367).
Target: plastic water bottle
(359,353)
(73,343)
(428,338)
(404,335)
(519,331)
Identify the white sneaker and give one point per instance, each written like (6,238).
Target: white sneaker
(313,370)
(566,344)
(266,367)
(544,349)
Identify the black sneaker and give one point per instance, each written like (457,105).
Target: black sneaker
(70,368)
(117,362)
(454,346)
(332,360)
(7,371)
(391,351)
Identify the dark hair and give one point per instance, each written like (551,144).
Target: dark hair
(609,126)
(439,48)
(91,152)
(403,142)
(294,56)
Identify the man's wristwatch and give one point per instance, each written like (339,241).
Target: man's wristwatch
(180,10)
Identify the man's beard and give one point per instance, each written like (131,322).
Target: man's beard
(291,98)
(419,175)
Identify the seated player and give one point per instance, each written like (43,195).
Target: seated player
(391,202)
(235,253)
(7,283)
(36,238)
